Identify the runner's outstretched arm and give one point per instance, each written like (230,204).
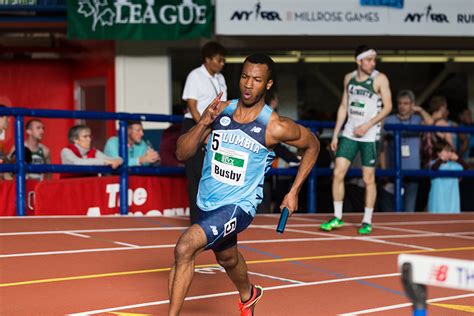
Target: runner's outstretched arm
(188,143)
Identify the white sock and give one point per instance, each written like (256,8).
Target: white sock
(368,215)
(338,209)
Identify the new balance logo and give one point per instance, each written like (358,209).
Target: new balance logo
(214,230)
(256,129)
(230,226)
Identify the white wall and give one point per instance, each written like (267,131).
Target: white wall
(143,81)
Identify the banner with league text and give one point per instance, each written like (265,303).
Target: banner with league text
(339,17)
(140,19)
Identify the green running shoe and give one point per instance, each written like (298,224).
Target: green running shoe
(331,224)
(366,229)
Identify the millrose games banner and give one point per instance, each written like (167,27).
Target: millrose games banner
(345,17)
(140,19)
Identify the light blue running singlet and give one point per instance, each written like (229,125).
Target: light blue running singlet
(235,162)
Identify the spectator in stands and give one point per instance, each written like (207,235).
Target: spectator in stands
(80,152)
(169,139)
(466,141)
(440,112)
(444,195)
(408,114)
(202,85)
(35,151)
(140,152)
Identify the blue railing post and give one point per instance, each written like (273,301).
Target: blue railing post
(123,150)
(398,170)
(20,167)
(312,186)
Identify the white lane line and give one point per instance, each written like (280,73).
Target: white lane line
(105,240)
(308,219)
(397,306)
(275,278)
(214,269)
(288,229)
(363,238)
(395,243)
(77,235)
(126,244)
(111,230)
(412,235)
(64,252)
(405,230)
(380,225)
(312,233)
(452,235)
(466,221)
(278,287)
(256,241)
(464,233)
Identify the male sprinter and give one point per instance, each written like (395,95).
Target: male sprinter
(239,135)
(364,88)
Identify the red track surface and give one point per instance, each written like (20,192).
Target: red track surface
(115,265)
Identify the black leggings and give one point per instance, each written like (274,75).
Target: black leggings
(193,168)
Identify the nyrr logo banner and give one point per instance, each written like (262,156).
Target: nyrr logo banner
(356,17)
(140,19)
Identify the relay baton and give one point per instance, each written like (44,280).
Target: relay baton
(282,222)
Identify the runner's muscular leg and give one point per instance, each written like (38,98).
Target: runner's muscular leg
(190,244)
(340,170)
(236,268)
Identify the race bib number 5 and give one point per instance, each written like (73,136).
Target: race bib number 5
(228,166)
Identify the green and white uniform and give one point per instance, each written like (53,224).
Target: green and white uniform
(363,105)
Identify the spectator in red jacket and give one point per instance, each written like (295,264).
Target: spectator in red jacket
(80,152)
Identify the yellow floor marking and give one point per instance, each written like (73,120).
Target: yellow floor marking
(347,255)
(463,308)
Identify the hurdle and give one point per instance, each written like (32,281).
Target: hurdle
(418,272)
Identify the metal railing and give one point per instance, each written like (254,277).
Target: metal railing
(20,168)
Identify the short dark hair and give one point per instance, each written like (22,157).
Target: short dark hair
(440,145)
(211,49)
(362,48)
(262,59)
(28,124)
(133,122)
(406,93)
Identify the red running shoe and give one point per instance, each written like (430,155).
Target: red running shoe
(247,308)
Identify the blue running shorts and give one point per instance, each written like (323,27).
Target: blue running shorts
(222,226)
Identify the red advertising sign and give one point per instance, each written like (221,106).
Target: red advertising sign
(147,195)
(8,197)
